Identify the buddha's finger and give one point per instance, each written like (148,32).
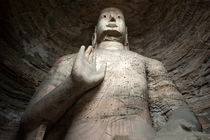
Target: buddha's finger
(90,58)
(88,51)
(81,51)
(94,59)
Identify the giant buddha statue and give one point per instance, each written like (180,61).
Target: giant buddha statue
(107,92)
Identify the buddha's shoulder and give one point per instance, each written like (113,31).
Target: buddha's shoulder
(63,64)
(68,57)
(65,59)
(138,56)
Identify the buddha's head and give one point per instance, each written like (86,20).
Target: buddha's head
(111,27)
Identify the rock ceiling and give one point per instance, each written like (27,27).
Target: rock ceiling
(33,34)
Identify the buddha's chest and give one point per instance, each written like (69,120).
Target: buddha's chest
(124,62)
(122,92)
(124,72)
(118,105)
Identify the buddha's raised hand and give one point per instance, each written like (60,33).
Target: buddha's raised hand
(84,70)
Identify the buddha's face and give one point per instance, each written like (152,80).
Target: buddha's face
(111,23)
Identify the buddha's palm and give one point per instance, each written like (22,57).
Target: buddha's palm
(84,70)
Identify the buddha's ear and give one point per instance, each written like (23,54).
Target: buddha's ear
(94,38)
(126,43)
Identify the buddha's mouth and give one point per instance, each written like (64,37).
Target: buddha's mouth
(112,25)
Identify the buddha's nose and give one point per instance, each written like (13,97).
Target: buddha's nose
(112,19)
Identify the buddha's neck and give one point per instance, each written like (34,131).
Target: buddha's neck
(111,45)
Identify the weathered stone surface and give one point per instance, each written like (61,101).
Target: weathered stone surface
(33,34)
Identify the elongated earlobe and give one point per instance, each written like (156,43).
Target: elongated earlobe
(94,39)
(126,43)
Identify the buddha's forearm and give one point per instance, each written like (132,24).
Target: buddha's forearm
(52,106)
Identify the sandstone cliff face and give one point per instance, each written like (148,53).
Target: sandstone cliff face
(33,34)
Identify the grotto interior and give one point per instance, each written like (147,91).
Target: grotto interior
(33,34)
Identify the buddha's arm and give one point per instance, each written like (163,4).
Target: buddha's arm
(67,81)
(52,98)
(166,102)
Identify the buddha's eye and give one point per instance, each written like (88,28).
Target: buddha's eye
(104,16)
(118,17)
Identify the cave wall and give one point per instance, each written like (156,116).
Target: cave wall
(33,34)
